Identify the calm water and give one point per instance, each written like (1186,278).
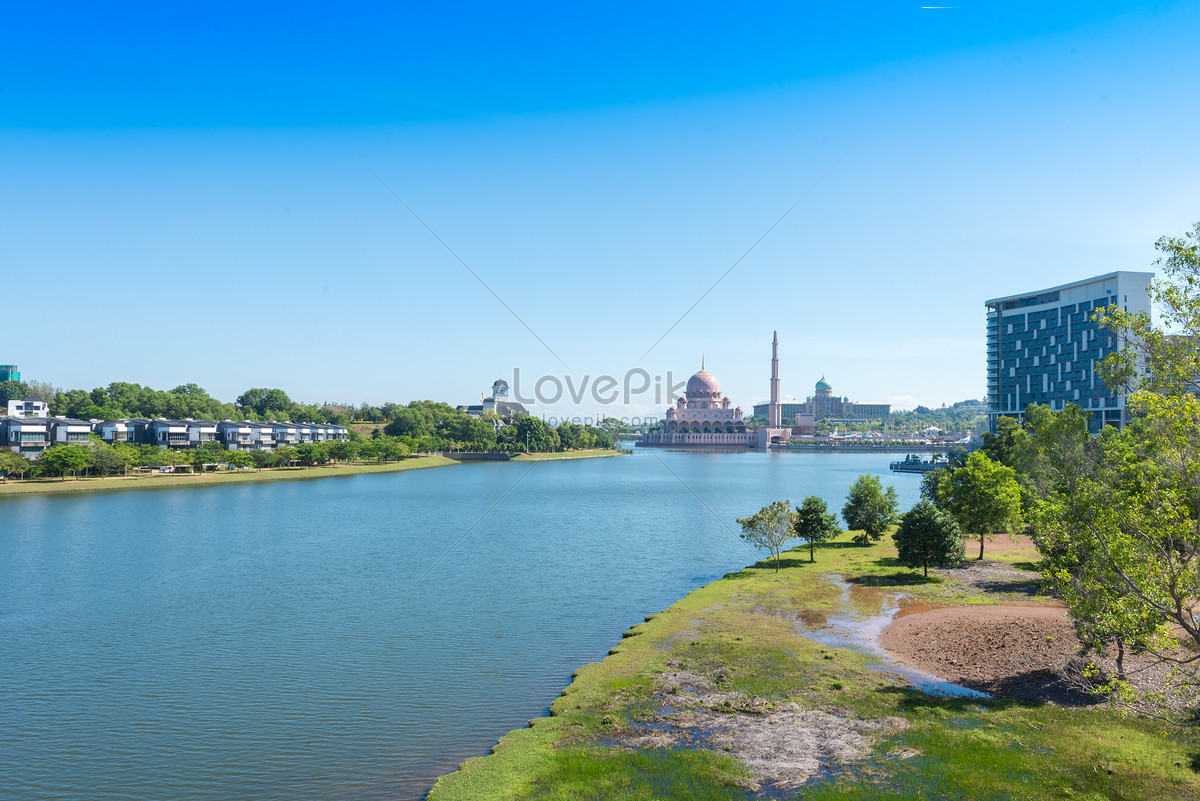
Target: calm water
(258,642)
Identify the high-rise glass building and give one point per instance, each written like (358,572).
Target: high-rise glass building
(9,372)
(1042,347)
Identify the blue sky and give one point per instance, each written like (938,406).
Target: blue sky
(210,194)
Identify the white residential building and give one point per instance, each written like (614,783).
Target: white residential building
(33,406)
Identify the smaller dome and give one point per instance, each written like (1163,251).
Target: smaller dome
(823,385)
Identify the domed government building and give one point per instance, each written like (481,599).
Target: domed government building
(824,405)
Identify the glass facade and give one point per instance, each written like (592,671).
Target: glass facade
(1045,348)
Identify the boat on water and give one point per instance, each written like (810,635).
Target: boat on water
(915,464)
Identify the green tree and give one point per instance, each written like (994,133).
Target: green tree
(43,389)
(264,458)
(12,464)
(127,456)
(93,412)
(175,458)
(814,523)
(928,534)
(1118,517)
(102,457)
(68,402)
(468,431)
(408,422)
(209,453)
(311,453)
(13,390)
(770,527)
(343,450)
(983,496)
(287,454)
(152,456)
(1004,445)
(533,432)
(1168,348)
(62,459)
(869,509)
(613,427)
(931,486)
(389,448)
(241,459)
(265,402)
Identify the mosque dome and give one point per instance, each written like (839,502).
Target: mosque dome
(823,385)
(704,383)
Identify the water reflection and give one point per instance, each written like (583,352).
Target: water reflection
(860,632)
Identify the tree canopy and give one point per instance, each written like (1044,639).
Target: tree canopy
(770,527)
(1117,516)
(814,523)
(928,534)
(983,496)
(869,509)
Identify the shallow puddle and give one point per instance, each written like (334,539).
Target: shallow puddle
(860,632)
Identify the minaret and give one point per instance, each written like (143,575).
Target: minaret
(774,418)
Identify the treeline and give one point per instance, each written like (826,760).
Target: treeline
(966,416)
(429,423)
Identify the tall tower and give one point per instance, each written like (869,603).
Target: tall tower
(774,418)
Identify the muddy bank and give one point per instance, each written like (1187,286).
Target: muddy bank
(1015,651)
(783,744)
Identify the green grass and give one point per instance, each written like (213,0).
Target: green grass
(658,774)
(175,481)
(750,624)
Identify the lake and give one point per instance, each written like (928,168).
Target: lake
(347,638)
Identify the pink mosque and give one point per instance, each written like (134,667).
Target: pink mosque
(704,417)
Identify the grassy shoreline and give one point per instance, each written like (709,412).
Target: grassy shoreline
(598,453)
(176,481)
(743,639)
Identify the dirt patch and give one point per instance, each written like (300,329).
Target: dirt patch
(1015,651)
(783,745)
(1004,545)
(994,578)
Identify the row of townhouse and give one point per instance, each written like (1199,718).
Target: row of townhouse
(29,436)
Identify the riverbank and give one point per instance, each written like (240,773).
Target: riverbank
(598,453)
(178,480)
(773,682)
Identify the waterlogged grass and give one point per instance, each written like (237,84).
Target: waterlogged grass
(177,480)
(998,751)
(749,628)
